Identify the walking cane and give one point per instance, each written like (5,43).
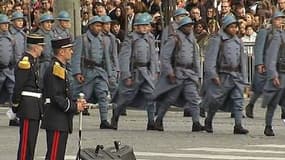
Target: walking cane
(81,96)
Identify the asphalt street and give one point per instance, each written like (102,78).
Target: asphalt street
(177,142)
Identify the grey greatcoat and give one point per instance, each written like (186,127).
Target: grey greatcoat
(112,49)
(20,41)
(7,62)
(187,45)
(47,53)
(262,41)
(139,61)
(59,32)
(272,94)
(94,64)
(225,59)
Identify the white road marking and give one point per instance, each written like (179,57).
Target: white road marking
(205,156)
(227,150)
(268,145)
(70,157)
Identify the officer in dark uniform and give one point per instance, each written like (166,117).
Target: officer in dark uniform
(27,96)
(59,107)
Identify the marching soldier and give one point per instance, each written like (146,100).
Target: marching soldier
(138,65)
(61,29)
(92,67)
(111,49)
(262,42)
(17,32)
(225,74)
(59,107)
(275,83)
(179,83)
(7,64)
(27,95)
(45,29)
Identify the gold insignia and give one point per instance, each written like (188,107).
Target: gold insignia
(24,63)
(58,70)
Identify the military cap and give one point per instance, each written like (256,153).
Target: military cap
(17,15)
(35,39)
(61,43)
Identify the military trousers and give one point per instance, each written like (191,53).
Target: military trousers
(56,144)
(97,90)
(7,83)
(28,138)
(230,89)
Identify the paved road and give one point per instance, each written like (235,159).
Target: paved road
(177,142)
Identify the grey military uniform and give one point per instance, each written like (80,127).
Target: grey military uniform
(262,41)
(274,58)
(185,64)
(138,61)
(7,62)
(94,64)
(47,53)
(225,59)
(59,32)
(20,41)
(111,49)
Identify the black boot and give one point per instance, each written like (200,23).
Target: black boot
(249,110)
(202,112)
(150,126)
(208,126)
(14,122)
(187,113)
(105,125)
(158,124)
(268,131)
(197,127)
(283,115)
(124,112)
(233,115)
(238,129)
(85,112)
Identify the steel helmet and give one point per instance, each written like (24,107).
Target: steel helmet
(46,17)
(227,20)
(95,19)
(106,19)
(4,19)
(180,11)
(141,19)
(184,21)
(277,14)
(63,16)
(17,15)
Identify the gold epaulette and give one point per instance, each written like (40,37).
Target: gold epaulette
(24,63)
(58,70)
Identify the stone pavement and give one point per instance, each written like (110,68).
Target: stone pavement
(177,142)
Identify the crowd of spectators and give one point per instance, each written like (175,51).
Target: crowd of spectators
(207,14)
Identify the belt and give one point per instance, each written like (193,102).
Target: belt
(2,66)
(31,94)
(92,66)
(230,68)
(139,64)
(47,101)
(186,66)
